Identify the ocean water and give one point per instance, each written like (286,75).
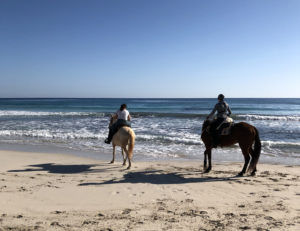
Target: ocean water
(166,129)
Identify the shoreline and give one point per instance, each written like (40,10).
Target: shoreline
(218,156)
(41,191)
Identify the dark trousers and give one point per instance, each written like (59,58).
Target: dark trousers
(116,126)
(214,132)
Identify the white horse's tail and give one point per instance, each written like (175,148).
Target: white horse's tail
(131,143)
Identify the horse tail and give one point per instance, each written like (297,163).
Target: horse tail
(131,143)
(256,151)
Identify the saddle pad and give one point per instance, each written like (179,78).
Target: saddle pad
(226,130)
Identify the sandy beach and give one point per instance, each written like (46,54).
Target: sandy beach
(42,191)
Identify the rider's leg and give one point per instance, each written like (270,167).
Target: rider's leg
(215,135)
(112,130)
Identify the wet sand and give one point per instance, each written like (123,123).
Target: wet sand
(42,191)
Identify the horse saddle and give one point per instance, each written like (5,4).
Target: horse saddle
(224,128)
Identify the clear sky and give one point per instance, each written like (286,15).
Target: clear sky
(149,48)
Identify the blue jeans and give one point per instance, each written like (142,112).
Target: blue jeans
(116,126)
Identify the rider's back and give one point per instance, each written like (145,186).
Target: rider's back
(221,108)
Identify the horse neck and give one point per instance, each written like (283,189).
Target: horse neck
(206,123)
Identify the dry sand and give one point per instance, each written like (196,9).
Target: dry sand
(41,191)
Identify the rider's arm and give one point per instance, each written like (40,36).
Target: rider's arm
(129,118)
(229,111)
(213,112)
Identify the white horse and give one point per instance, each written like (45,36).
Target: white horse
(124,137)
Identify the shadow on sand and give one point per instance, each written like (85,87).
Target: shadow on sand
(160,177)
(61,169)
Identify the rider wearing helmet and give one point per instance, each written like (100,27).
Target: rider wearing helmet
(123,117)
(221,108)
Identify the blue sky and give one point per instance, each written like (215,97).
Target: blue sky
(149,48)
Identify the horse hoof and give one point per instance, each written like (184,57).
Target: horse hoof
(111,162)
(240,174)
(128,168)
(207,170)
(253,174)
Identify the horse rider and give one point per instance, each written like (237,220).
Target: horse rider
(123,119)
(221,108)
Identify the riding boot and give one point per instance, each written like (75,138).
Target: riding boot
(110,136)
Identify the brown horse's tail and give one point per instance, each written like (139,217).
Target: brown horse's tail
(131,143)
(256,151)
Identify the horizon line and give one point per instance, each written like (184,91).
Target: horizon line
(148,97)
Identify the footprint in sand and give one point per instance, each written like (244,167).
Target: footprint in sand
(22,189)
(203,212)
(282,174)
(273,179)
(244,227)
(229,215)
(89,222)
(269,218)
(126,211)
(55,223)
(58,212)
(265,196)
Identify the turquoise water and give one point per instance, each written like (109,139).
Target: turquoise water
(165,128)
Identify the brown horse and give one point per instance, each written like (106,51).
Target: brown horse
(242,133)
(124,137)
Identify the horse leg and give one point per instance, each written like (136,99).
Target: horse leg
(205,161)
(127,156)
(208,152)
(252,159)
(124,157)
(245,152)
(114,153)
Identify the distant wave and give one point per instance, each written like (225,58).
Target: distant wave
(99,114)
(234,116)
(84,134)
(280,144)
(168,114)
(268,117)
(250,117)
(40,113)
(46,134)
(169,140)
